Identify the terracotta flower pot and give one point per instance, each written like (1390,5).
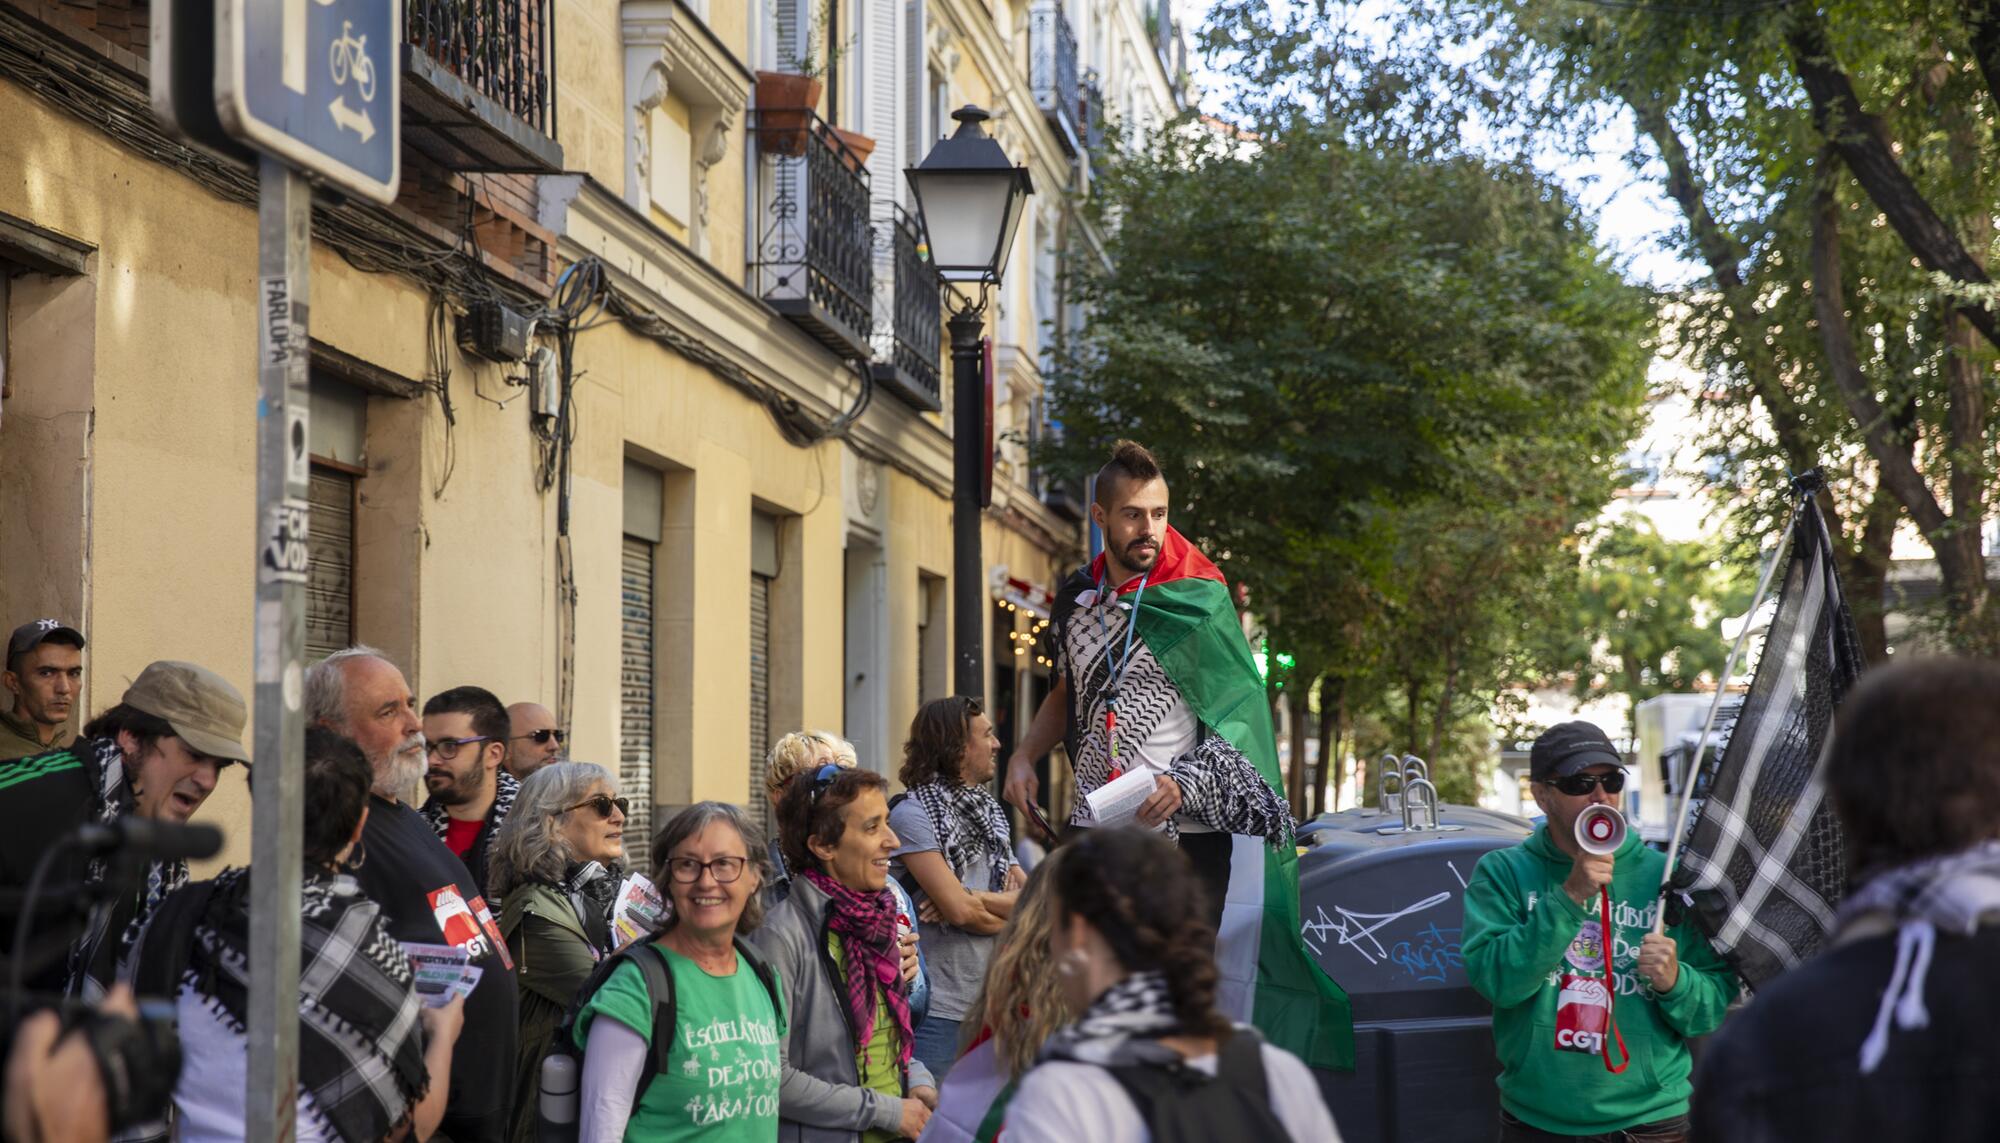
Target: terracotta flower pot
(785,104)
(859,146)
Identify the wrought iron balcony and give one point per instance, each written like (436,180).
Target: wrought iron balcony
(1090,112)
(909,346)
(479,88)
(1052,71)
(814,262)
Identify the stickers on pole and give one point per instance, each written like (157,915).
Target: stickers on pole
(285,556)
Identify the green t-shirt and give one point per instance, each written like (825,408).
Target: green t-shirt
(720,1080)
(880,1069)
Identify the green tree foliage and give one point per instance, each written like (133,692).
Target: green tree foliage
(1390,391)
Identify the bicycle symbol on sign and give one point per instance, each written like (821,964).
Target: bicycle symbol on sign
(350,53)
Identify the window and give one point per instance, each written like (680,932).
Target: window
(638,567)
(339,431)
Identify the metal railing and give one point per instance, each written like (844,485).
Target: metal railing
(1090,114)
(919,337)
(814,262)
(1052,67)
(504,49)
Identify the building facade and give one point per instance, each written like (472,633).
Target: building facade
(704,502)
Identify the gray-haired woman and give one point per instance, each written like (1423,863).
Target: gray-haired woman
(553,865)
(718,1068)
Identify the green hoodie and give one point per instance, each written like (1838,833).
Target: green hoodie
(1522,932)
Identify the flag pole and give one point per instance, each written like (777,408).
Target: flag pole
(1722,689)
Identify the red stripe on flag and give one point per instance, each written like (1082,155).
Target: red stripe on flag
(1179,559)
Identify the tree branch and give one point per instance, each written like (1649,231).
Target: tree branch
(1863,144)
(1983,16)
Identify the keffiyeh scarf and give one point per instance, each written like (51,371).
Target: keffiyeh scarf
(360,1047)
(111,798)
(1955,893)
(968,819)
(866,925)
(1121,1027)
(506,789)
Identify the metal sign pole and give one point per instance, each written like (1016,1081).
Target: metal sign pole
(284,224)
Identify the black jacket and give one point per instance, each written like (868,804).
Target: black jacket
(1787,1067)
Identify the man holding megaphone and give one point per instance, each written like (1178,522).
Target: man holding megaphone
(1592,1008)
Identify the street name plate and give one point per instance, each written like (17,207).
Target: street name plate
(317,83)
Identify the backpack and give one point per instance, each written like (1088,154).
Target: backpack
(659,981)
(1180,1104)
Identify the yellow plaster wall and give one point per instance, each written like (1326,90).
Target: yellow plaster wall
(590,89)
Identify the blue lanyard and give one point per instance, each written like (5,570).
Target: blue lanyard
(1118,666)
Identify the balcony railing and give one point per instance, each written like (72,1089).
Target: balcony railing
(908,357)
(1052,71)
(814,262)
(1090,113)
(481,83)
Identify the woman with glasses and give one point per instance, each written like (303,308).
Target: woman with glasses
(554,865)
(848,1074)
(714,1075)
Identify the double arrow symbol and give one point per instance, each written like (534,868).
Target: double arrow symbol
(355,121)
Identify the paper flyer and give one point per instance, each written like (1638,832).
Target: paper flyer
(441,973)
(639,910)
(1117,801)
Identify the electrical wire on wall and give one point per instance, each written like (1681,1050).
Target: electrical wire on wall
(579,300)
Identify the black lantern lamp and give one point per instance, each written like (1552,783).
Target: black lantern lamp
(969,202)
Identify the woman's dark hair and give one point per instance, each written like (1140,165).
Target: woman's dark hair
(148,729)
(1915,765)
(937,740)
(801,815)
(1141,895)
(337,781)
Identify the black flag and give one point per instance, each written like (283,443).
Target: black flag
(1763,865)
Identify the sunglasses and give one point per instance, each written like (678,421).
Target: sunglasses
(822,778)
(448,748)
(542,737)
(603,804)
(1578,785)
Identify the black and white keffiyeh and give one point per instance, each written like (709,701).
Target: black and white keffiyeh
(360,1042)
(506,789)
(111,798)
(967,819)
(1121,1027)
(1220,787)
(1954,894)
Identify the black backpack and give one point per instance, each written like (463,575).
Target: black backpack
(660,987)
(1180,1104)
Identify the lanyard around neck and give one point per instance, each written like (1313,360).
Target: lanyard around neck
(1118,665)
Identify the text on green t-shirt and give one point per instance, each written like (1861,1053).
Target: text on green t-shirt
(720,1077)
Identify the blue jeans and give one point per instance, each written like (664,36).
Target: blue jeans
(936,1044)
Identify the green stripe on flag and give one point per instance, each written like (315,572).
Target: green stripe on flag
(39,766)
(1191,627)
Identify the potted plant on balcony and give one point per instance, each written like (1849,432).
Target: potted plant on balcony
(786,100)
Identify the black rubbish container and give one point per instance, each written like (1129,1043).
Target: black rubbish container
(1382,904)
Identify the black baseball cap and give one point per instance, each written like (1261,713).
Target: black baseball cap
(1569,748)
(34,633)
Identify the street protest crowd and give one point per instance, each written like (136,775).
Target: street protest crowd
(482,966)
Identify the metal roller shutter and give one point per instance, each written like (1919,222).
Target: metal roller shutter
(760,696)
(635,699)
(329,564)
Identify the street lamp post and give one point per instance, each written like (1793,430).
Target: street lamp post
(969,202)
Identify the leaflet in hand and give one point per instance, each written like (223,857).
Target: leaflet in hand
(639,911)
(1117,802)
(442,972)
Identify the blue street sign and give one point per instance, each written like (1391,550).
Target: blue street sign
(317,83)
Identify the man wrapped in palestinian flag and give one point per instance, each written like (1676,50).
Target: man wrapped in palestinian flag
(1155,674)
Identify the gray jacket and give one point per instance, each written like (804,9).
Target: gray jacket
(820,1098)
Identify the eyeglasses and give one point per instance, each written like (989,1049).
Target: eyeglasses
(687,870)
(1578,785)
(541,737)
(603,804)
(447,748)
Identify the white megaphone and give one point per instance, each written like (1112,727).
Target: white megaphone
(1600,829)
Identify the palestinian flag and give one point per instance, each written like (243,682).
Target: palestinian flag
(1269,979)
(972,1102)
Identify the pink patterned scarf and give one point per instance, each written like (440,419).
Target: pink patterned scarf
(866,924)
